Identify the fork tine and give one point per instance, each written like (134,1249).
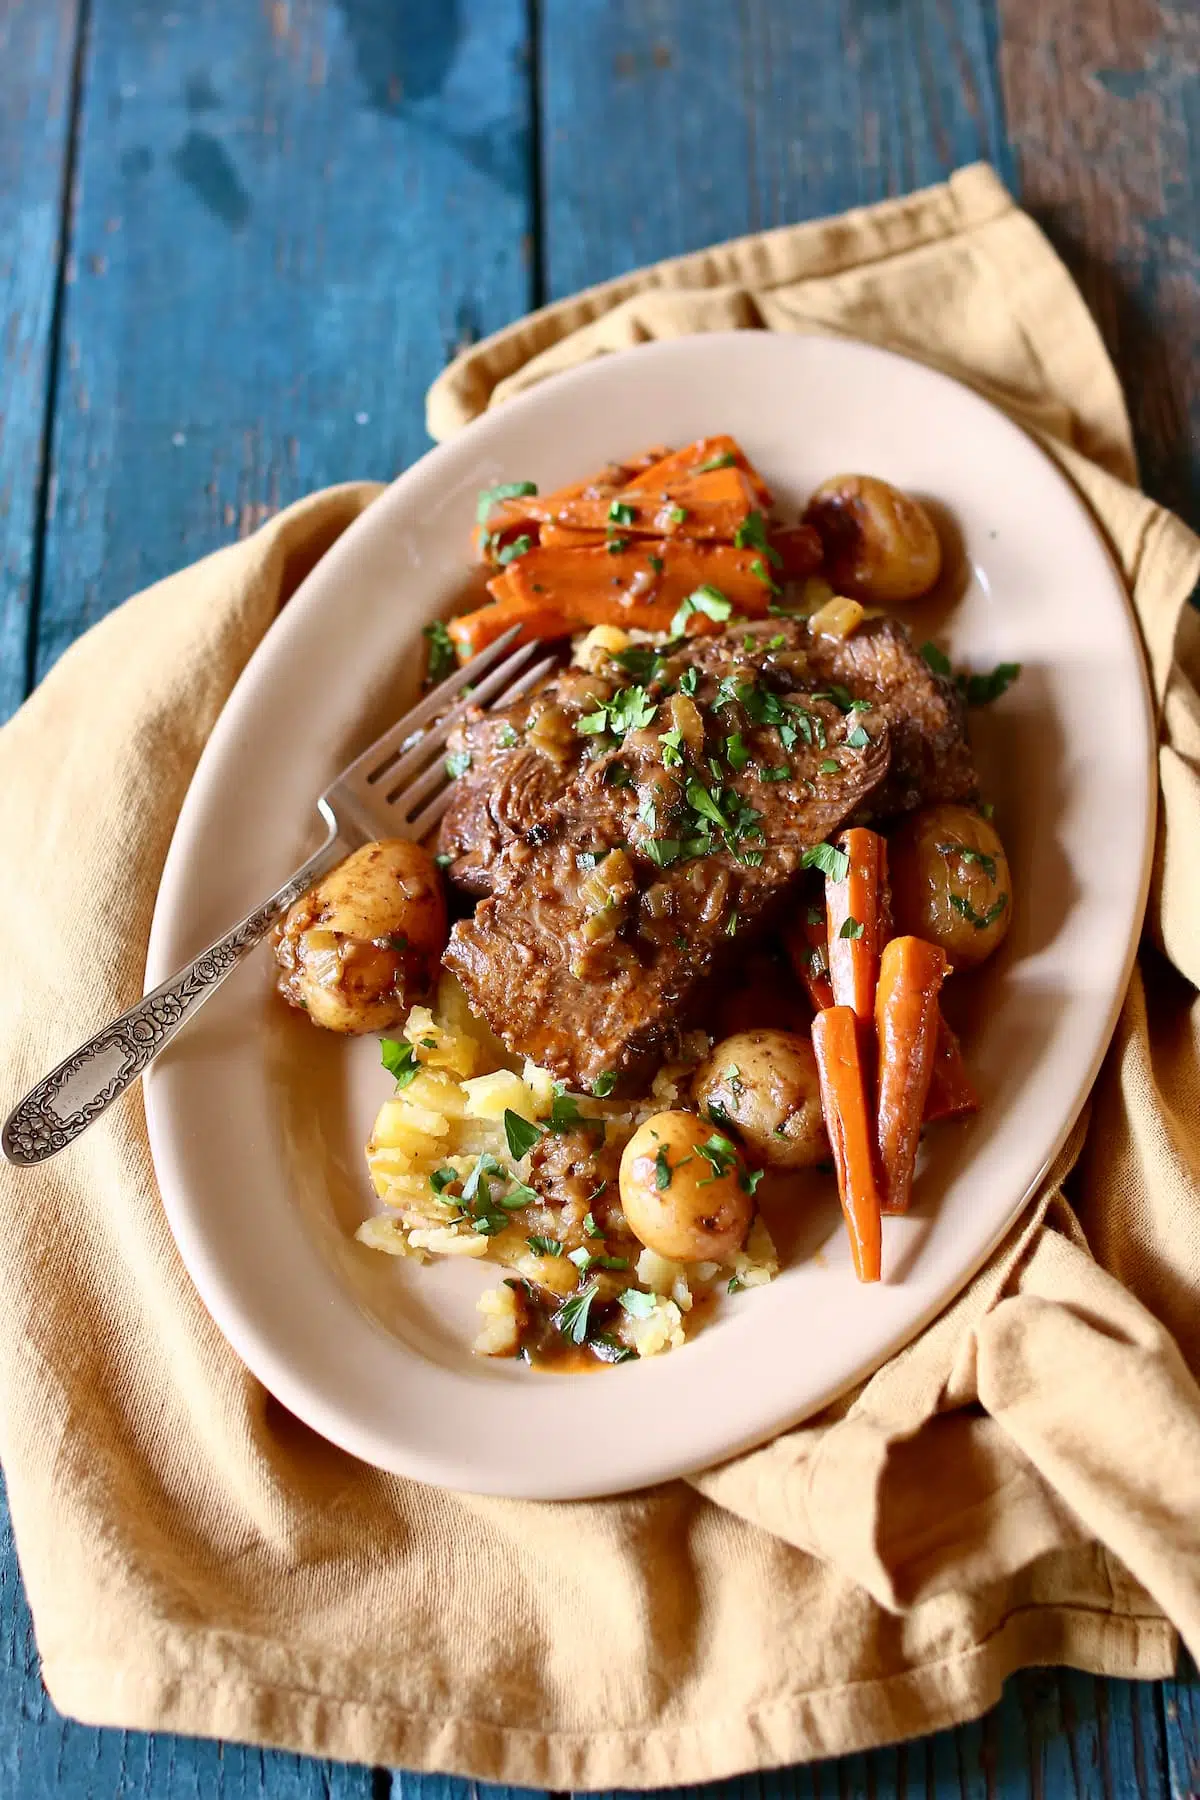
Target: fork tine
(429,816)
(399,763)
(409,792)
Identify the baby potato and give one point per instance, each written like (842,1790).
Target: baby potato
(764,1085)
(880,544)
(684,1191)
(950,882)
(360,947)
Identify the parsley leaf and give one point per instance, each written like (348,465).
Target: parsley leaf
(621,513)
(688,681)
(637,1304)
(506,490)
(604,1083)
(830,766)
(852,928)
(521,1133)
(751,534)
(858,739)
(571,1319)
(782,773)
(967,855)
(677,514)
(608,1350)
(705,599)
(590,1226)
(724,460)
(671,746)
(702,802)
(937,659)
(615,545)
(518,547)
(441,1179)
(980,921)
(981,690)
(642,661)
(458,764)
(657,564)
(400,1060)
(443,658)
(564,1110)
(544,1246)
(662,851)
(759,570)
(831,861)
(737,753)
(662,1171)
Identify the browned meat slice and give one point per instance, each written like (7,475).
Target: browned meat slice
(665,850)
(519,761)
(931,758)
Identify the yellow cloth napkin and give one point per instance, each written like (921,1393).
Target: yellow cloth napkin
(1020,1485)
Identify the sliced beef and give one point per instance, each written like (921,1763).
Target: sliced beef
(664,852)
(521,760)
(927,725)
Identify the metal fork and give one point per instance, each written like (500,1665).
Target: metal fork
(397,788)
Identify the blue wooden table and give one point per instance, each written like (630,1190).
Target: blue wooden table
(237,241)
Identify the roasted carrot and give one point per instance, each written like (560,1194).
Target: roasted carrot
(527,513)
(566,537)
(806,941)
(709,506)
(835,1042)
(856,909)
(474,631)
(911,973)
(718,451)
(952,1093)
(642,585)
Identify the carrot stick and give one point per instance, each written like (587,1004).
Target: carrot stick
(856,913)
(566,537)
(835,1042)
(911,973)
(526,513)
(642,585)
(707,506)
(806,940)
(678,463)
(474,631)
(952,1093)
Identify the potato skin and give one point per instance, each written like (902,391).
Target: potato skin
(880,543)
(926,871)
(700,1215)
(764,1084)
(360,947)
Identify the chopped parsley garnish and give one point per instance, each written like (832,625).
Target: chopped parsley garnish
(735,1286)
(720,1155)
(506,490)
(657,564)
(830,766)
(564,1110)
(662,1171)
(400,1061)
(782,773)
(641,661)
(731,924)
(442,659)
(521,1133)
(702,802)
(589,1224)
(614,545)
(518,547)
(604,1083)
(677,514)
(458,764)
(586,1260)
(477,1182)
(617,775)
(981,690)
(858,739)
(831,861)
(621,513)
(842,698)
(509,737)
(441,1179)
(397,940)
(980,921)
(725,459)
(705,599)
(571,1319)
(759,570)
(608,1349)
(937,659)
(663,851)
(986,809)
(815,915)
(749,1179)
(737,753)
(671,747)
(519,1195)
(751,534)
(637,1304)
(852,928)
(967,855)
(544,1246)
(630,709)
(688,681)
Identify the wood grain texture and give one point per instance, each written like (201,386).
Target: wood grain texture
(1103,104)
(37,50)
(668,125)
(286,217)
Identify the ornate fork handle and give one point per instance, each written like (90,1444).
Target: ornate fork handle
(73,1095)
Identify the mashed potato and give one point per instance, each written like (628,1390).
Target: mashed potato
(440,1162)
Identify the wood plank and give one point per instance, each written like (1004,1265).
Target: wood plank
(287,217)
(668,127)
(1103,103)
(37,51)
(1181,1717)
